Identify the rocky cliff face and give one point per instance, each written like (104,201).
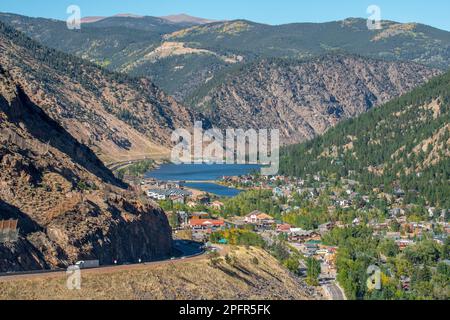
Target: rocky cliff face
(68,204)
(304,99)
(117,116)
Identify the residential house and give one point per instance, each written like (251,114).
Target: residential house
(404,243)
(300,235)
(283,228)
(256,217)
(396,212)
(206,224)
(163,194)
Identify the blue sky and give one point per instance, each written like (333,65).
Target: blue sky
(432,12)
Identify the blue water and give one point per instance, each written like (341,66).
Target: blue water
(201,173)
(213,188)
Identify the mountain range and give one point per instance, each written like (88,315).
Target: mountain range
(116,115)
(182,19)
(304,99)
(123,117)
(181,59)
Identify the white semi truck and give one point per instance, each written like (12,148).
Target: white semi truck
(88,264)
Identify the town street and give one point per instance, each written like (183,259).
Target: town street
(332,290)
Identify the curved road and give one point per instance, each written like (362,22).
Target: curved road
(190,251)
(335,292)
(122,164)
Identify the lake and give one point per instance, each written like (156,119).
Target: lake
(200,176)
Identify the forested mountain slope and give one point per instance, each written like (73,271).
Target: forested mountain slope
(402,144)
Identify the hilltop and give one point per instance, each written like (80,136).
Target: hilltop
(181,19)
(185,18)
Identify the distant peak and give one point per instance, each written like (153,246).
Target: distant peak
(128,15)
(91,19)
(185,18)
(119,15)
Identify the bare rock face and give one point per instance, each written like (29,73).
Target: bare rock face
(304,99)
(69,206)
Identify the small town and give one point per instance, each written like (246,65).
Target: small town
(300,215)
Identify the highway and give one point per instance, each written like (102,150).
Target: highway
(122,164)
(189,251)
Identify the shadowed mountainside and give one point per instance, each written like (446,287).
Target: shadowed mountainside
(69,206)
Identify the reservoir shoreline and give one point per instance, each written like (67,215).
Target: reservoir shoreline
(203,177)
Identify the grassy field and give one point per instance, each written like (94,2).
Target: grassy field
(245,273)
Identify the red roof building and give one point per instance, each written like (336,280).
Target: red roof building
(284,228)
(206,223)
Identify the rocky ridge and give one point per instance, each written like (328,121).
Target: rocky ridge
(117,116)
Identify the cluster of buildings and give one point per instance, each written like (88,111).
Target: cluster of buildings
(309,243)
(259,221)
(202,225)
(409,232)
(157,190)
(284,190)
(345,195)
(176,195)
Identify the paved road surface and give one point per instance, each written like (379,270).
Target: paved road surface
(335,292)
(122,164)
